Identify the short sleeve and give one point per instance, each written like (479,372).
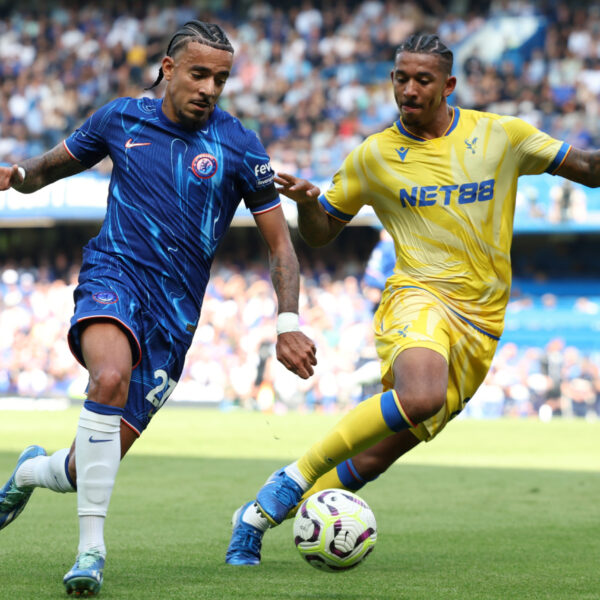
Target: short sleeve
(87,144)
(347,192)
(535,150)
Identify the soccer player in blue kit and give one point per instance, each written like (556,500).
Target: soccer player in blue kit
(181,166)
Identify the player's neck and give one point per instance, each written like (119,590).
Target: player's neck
(438,127)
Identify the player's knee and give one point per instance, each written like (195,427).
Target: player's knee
(109,386)
(421,405)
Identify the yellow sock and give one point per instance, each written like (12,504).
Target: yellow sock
(343,477)
(371,421)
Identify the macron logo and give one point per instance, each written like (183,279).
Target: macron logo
(92,440)
(131,144)
(402,152)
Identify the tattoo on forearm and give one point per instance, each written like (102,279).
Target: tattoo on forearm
(285,275)
(48,168)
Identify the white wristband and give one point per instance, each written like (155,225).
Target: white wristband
(22,172)
(287,321)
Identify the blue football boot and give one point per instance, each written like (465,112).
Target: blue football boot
(12,498)
(246,540)
(278,497)
(85,577)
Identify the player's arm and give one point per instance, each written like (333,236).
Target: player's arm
(316,227)
(34,173)
(294,350)
(582,166)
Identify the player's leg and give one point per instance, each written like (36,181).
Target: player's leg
(354,473)
(249,524)
(251,521)
(107,354)
(412,340)
(56,472)
(469,354)
(421,377)
(364,437)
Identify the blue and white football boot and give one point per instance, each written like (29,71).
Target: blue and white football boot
(85,577)
(12,498)
(278,497)
(246,540)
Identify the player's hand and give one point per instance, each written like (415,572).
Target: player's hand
(298,190)
(297,353)
(10,176)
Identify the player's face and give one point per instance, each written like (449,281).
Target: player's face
(421,85)
(196,76)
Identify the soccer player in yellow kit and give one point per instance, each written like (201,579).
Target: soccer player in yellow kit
(443,182)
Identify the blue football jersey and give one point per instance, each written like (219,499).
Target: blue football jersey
(172,196)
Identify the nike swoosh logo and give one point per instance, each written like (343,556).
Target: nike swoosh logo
(94,441)
(204,130)
(131,144)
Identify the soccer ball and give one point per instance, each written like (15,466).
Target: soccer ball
(334,530)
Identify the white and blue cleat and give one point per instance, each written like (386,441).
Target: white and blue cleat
(246,540)
(85,577)
(278,497)
(12,498)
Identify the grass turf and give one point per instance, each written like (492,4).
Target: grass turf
(490,510)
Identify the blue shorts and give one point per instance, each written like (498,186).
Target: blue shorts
(157,356)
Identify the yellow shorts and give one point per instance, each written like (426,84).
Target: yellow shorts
(411,317)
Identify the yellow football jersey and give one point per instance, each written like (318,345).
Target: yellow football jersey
(449,204)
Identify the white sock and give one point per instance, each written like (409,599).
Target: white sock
(254,517)
(97,456)
(46,471)
(293,472)
(91,534)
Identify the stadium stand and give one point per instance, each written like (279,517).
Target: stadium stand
(313,81)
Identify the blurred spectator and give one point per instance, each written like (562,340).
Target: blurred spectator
(568,203)
(312,80)
(240,369)
(296,68)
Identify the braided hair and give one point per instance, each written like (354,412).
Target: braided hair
(423,43)
(209,34)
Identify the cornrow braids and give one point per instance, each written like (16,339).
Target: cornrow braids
(423,43)
(209,34)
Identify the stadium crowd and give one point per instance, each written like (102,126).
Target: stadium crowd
(231,361)
(312,79)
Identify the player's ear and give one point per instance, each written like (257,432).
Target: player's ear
(450,85)
(167,64)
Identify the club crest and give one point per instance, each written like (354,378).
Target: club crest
(204,165)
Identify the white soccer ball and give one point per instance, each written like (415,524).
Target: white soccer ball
(334,530)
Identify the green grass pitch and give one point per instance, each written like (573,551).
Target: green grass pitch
(491,510)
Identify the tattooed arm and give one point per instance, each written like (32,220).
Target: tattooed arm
(315,226)
(40,170)
(582,166)
(294,350)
